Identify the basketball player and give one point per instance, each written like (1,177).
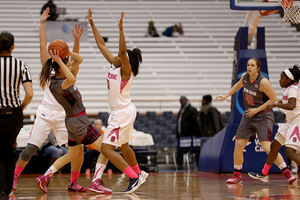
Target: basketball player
(50,115)
(288,134)
(123,113)
(80,130)
(258,93)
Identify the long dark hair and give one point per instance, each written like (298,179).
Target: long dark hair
(7,40)
(135,58)
(296,73)
(45,74)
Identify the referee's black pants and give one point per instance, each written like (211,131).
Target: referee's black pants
(10,125)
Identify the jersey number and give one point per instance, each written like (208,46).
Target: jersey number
(249,99)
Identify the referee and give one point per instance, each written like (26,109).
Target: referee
(13,73)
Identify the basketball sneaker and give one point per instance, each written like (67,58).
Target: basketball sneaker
(98,186)
(259,176)
(42,182)
(288,174)
(144,174)
(14,186)
(236,178)
(134,184)
(75,187)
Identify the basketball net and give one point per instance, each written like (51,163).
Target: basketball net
(291,11)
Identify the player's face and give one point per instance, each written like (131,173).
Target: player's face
(284,81)
(252,67)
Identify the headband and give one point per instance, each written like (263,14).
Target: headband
(289,74)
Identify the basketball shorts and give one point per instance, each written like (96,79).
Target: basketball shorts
(120,126)
(47,119)
(261,124)
(288,134)
(81,131)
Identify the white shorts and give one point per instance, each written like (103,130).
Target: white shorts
(120,126)
(47,119)
(288,135)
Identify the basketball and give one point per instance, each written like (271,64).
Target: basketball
(60,46)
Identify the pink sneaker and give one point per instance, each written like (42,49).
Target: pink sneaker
(75,187)
(43,182)
(236,178)
(288,174)
(98,186)
(14,187)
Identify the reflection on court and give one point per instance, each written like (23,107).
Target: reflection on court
(164,185)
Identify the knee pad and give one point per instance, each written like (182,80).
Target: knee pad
(28,152)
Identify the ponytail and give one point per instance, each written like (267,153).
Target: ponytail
(135,58)
(44,76)
(296,73)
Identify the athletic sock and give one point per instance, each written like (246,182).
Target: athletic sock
(99,171)
(74,175)
(130,173)
(136,169)
(266,169)
(50,171)
(18,170)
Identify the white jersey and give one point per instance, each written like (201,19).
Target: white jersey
(289,92)
(118,89)
(49,101)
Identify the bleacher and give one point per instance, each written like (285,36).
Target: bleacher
(199,63)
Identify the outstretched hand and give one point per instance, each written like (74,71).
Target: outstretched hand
(55,55)
(120,21)
(221,98)
(90,18)
(45,15)
(78,31)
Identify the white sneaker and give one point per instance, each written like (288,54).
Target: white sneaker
(144,174)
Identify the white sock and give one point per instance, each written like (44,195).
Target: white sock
(99,171)
(238,167)
(50,171)
(282,166)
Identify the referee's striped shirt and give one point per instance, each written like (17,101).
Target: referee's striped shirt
(13,73)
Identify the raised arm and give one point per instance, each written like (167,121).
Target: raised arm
(70,78)
(99,40)
(77,33)
(126,68)
(44,55)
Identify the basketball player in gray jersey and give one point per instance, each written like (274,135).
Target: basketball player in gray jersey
(258,93)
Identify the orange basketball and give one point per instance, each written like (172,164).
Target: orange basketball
(60,46)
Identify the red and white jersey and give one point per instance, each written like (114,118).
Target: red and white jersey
(118,89)
(49,101)
(289,92)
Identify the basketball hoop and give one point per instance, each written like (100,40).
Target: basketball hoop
(291,11)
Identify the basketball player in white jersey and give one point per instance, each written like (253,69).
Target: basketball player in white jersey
(288,134)
(50,115)
(125,67)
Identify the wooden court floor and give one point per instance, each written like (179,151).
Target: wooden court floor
(165,186)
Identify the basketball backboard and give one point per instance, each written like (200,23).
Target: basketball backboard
(255,5)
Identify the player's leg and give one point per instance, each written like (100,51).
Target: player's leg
(130,158)
(40,131)
(72,154)
(238,159)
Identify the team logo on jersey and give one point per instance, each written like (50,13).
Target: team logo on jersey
(116,132)
(295,133)
(113,139)
(256,86)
